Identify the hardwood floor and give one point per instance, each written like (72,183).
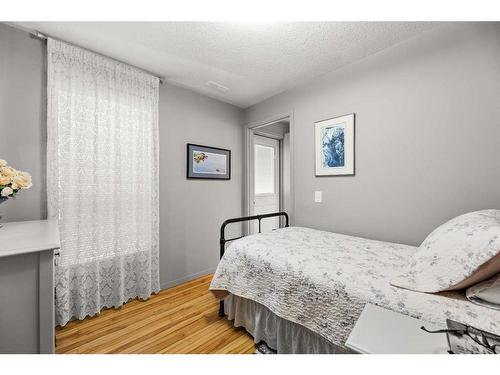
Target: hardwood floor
(183,319)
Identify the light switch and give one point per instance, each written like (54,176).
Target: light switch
(318,197)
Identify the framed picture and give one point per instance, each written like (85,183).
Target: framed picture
(335,146)
(204,162)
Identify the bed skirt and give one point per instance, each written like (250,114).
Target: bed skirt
(279,334)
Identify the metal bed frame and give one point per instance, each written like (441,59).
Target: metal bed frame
(223,239)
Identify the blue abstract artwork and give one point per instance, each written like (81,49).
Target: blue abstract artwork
(332,139)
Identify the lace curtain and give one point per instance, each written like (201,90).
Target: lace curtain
(102,180)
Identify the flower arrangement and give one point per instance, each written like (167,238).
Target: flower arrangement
(11,181)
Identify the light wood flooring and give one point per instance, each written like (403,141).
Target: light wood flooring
(183,319)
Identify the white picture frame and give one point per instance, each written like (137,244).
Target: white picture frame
(334,149)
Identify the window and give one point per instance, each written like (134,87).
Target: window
(264,169)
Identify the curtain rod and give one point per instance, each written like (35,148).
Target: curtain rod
(38,35)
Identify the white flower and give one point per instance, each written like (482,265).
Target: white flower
(6,191)
(3,163)
(4,180)
(8,171)
(22,180)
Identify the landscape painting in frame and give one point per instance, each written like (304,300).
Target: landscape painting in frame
(205,162)
(335,146)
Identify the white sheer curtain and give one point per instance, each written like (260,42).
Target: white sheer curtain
(102,180)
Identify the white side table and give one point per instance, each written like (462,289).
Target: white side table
(382,331)
(27,251)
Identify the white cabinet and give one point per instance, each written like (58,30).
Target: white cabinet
(26,286)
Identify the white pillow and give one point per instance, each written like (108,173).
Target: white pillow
(457,254)
(486,293)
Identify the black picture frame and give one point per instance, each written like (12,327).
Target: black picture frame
(190,172)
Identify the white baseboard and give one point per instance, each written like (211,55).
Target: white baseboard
(170,284)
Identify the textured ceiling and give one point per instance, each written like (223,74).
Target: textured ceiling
(254,60)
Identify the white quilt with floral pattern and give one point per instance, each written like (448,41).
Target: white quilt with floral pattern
(322,281)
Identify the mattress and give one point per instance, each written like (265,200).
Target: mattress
(322,281)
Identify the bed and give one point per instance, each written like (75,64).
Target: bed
(302,290)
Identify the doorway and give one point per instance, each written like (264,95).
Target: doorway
(269,172)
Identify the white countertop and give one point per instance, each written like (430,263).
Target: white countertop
(28,236)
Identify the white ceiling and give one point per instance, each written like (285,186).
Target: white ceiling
(254,60)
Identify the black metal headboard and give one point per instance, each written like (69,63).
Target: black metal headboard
(223,240)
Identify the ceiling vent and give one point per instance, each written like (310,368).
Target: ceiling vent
(217,86)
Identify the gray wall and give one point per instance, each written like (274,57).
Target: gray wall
(22,119)
(190,211)
(427,135)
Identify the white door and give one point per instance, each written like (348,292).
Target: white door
(266,181)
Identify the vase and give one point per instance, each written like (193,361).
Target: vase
(2,199)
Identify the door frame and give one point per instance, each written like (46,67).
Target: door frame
(250,131)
